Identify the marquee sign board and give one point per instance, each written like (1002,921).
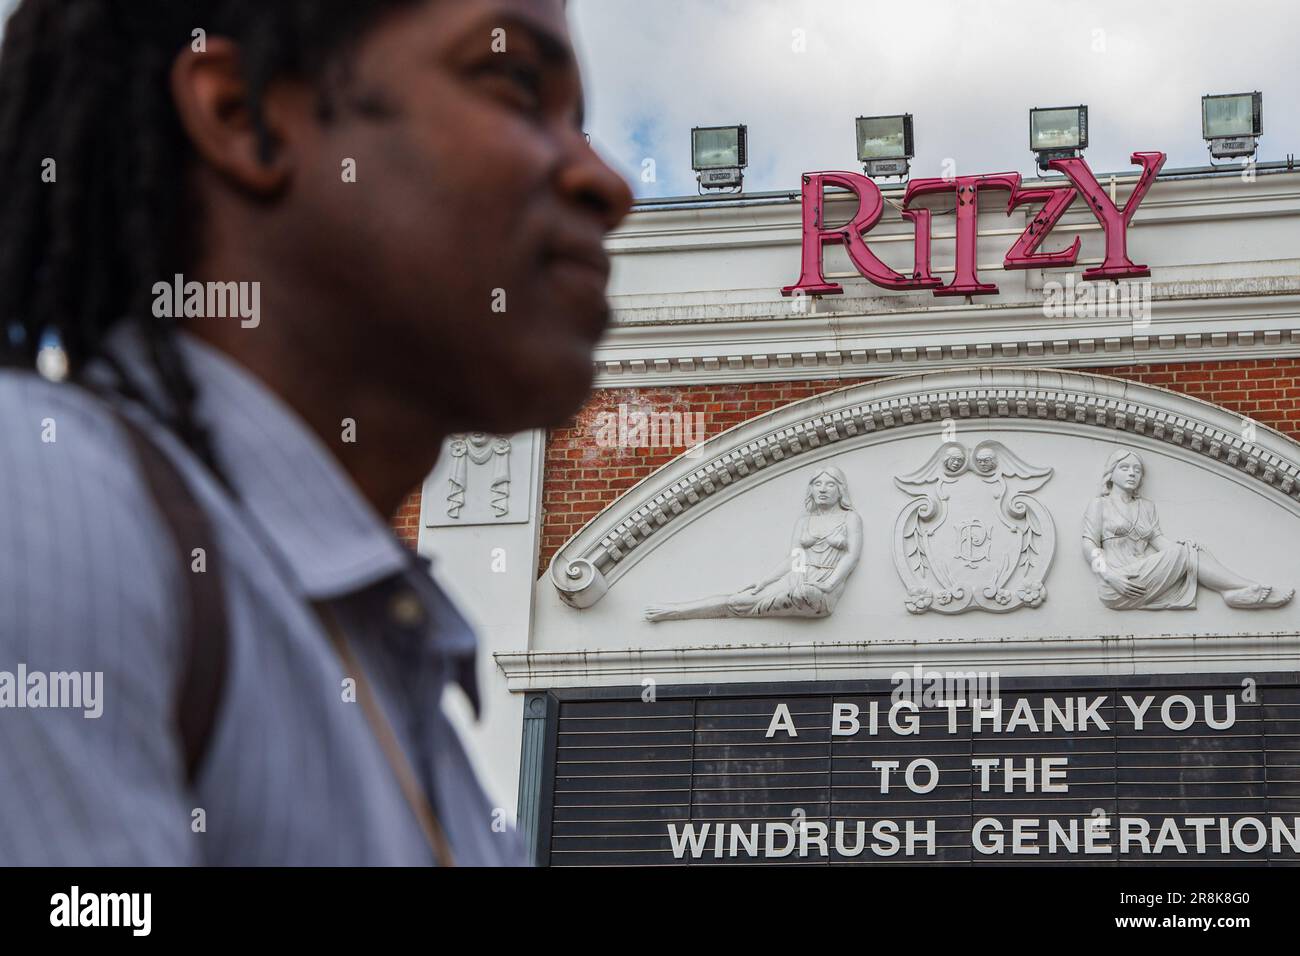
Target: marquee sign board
(1023,253)
(1132,770)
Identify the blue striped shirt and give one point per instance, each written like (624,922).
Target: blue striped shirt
(90,583)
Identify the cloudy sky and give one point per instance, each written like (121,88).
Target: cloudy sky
(969,71)
(799,71)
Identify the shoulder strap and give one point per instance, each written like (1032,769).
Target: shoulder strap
(416,797)
(204,668)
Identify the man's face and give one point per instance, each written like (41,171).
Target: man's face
(468,253)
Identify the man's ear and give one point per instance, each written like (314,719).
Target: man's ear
(211,97)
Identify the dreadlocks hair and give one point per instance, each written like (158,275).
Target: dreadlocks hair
(86,83)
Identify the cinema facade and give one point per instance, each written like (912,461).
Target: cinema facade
(904,578)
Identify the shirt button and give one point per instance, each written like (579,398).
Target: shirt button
(406,610)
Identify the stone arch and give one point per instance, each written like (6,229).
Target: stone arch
(610,545)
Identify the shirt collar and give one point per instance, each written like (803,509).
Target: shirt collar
(305,505)
(292,487)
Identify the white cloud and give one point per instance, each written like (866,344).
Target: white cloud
(969,71)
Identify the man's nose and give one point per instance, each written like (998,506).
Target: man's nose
(589,181)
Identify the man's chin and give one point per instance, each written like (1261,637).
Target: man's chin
(547,405)
(559,408)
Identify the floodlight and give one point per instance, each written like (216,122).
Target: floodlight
(885,145)
(1232,123)
(1058,132)
(719,154)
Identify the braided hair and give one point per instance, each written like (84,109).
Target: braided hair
(85,83)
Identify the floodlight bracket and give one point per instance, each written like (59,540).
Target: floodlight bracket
(1047,156)
(884,168)
(1232,147)
(732,178)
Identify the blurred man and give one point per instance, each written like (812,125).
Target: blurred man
(265,257)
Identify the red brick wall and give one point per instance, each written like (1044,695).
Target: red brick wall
(581,477)
(1266,390)
(407,520)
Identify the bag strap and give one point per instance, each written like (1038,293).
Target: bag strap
(416,798)
(206,637)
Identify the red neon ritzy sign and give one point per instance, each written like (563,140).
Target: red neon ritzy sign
(1023,254)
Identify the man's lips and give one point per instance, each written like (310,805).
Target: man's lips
(592,259)
(583,270)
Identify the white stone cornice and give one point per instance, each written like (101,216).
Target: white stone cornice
(1119,654)
(1202,321)
(736,225)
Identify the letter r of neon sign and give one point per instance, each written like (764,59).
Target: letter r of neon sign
(871,206)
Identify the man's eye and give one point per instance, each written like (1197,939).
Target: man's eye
(521,82)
